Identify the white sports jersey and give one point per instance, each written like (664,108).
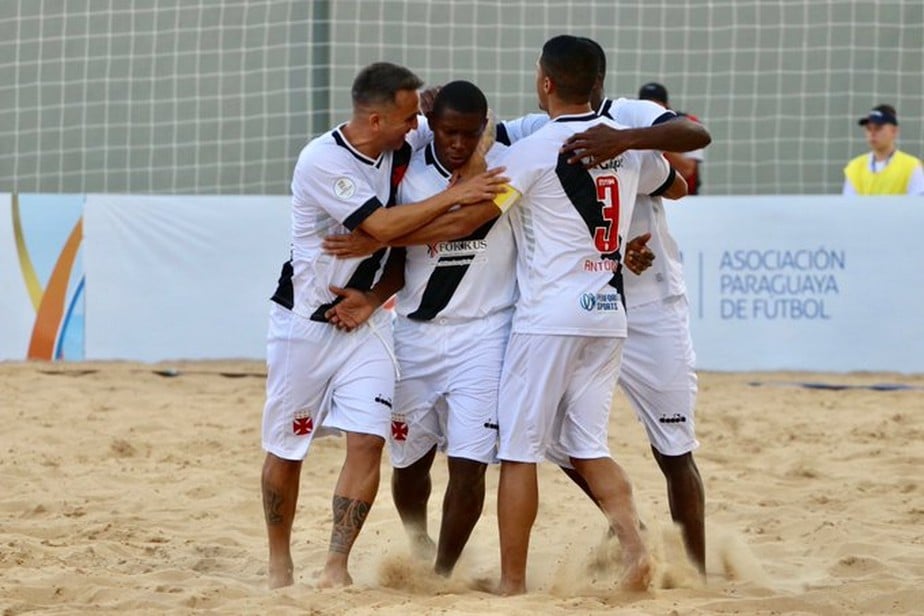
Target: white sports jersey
(335,188)
(570,224)
(462,279)
(629,112)
(665,276)
(509,132)
(634,113)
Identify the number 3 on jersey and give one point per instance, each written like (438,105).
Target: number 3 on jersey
(606,237)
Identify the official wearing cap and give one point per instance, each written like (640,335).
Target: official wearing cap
(885,170)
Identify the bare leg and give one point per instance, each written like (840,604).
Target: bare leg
(517,503)
(280,494)
(353,497)
(611,486)
(462,507)
(686,496)
(410,489)
(574,476)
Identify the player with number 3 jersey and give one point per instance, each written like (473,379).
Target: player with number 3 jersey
(562,360)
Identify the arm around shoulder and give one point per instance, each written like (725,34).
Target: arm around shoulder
(452,225)
(674,187)
(387,224)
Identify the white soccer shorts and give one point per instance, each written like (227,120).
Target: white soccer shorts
(447,391)
(320,379)
(658,374)
(555,397)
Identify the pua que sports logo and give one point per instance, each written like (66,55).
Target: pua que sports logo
(588,301)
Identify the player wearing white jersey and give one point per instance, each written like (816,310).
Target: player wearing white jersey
(450,334)
(317,374)
(657,371)
(570,225)
(452,328)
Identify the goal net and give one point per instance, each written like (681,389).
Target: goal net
(218,96)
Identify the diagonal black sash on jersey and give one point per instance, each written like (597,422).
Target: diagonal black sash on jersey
(446,278)
(582,192)
(362,279)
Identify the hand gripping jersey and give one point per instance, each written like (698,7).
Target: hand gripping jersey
(570,225)
(334,189)
(467,278)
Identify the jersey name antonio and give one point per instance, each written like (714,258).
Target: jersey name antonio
(570,225)
(335,188)
(462,279)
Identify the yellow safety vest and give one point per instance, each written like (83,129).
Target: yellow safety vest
(892,180)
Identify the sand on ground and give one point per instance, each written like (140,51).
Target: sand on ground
(125,491)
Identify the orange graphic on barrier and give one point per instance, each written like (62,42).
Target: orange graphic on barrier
(49,303)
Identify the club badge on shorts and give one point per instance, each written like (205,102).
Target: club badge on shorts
(302,425)
(399,428)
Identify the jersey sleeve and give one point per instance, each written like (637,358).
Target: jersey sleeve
(697,155)
(523,173)
(655,174)
(638,113)
(509,132)
(330,180)
(420,136)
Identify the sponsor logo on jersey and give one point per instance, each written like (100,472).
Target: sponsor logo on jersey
(613,164)
(457,248)
(588,301)
(599,302)
(344,188)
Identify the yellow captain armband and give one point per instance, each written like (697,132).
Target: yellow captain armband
(505,200)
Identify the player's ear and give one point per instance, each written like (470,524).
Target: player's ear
(375,119)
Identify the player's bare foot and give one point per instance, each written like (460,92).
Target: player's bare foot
(334,578)
(638,572)
(423,548)
(510,589)
(280,574)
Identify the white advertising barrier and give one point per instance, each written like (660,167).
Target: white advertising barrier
(173,277)
(804,282)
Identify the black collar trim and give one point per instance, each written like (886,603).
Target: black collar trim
(431,158)
(341,140)
(577,118)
